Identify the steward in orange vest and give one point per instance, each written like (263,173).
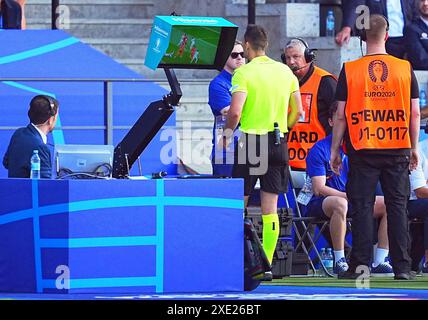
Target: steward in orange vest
(317,88)
(378,103)
(378,117)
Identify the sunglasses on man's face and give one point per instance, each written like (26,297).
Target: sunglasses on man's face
(234,55)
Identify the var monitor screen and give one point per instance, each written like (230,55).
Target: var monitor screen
(192,45)
(190,42)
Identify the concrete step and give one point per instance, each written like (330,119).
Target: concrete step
(138,66)
(101,28)
(181,73)
(120,48)
(93,9)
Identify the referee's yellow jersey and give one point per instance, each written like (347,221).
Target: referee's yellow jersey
(268,85)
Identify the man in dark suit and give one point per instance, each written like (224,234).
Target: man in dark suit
(416,36)
(43,114)
(399,13)
(10,14)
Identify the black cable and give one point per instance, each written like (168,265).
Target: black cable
(81,175)
(103,171)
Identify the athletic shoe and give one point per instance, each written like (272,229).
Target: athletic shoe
(348,275)
(267,276)
(383,269)
(404,276)
(415,274)
(340,266)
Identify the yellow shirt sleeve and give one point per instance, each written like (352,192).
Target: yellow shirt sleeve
(294,84)
(239,83)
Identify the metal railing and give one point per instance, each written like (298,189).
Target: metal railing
(107,100)
(54,13)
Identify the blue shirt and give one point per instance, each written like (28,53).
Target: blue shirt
(220,97)
(318,164)
(219,92)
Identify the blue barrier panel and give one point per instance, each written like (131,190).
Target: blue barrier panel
(121,236)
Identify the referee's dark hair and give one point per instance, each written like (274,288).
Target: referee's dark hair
(256,36)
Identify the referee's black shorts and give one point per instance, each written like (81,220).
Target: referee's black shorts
(257,157)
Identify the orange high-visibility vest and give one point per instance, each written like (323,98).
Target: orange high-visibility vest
(308,129)
(379,102)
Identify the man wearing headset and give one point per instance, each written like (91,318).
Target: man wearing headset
(317,89)
(43,114)
(378,118)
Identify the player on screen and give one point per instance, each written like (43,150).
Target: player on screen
(192,43)
(195,57)
(182,45)
(192,52)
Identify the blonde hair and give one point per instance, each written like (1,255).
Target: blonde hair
(378,28)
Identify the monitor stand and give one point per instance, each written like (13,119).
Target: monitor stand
(146,128)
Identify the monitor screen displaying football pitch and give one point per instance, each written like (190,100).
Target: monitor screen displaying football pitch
(192,45)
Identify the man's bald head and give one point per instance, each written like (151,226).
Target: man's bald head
(378,28)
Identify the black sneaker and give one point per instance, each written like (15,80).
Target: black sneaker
(350,275)
(404,276)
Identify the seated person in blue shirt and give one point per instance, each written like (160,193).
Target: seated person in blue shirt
(219,100)
(416,35)
(43,114)
(329,201)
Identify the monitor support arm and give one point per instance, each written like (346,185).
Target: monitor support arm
(146,128)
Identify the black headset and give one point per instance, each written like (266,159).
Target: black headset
(309,53)
(362,33)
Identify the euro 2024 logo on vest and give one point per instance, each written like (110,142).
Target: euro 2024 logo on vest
(378,73)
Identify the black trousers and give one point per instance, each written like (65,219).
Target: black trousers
(393,173)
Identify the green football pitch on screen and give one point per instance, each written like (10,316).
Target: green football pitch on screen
(192,45)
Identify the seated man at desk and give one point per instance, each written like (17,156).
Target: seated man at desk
(43,114)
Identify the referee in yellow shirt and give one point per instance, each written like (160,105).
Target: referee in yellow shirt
(265,94)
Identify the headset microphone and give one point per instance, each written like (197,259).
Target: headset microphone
(302,67)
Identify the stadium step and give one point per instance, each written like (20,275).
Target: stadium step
(100,28)
(107,9)
(111,26)
(119,48)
